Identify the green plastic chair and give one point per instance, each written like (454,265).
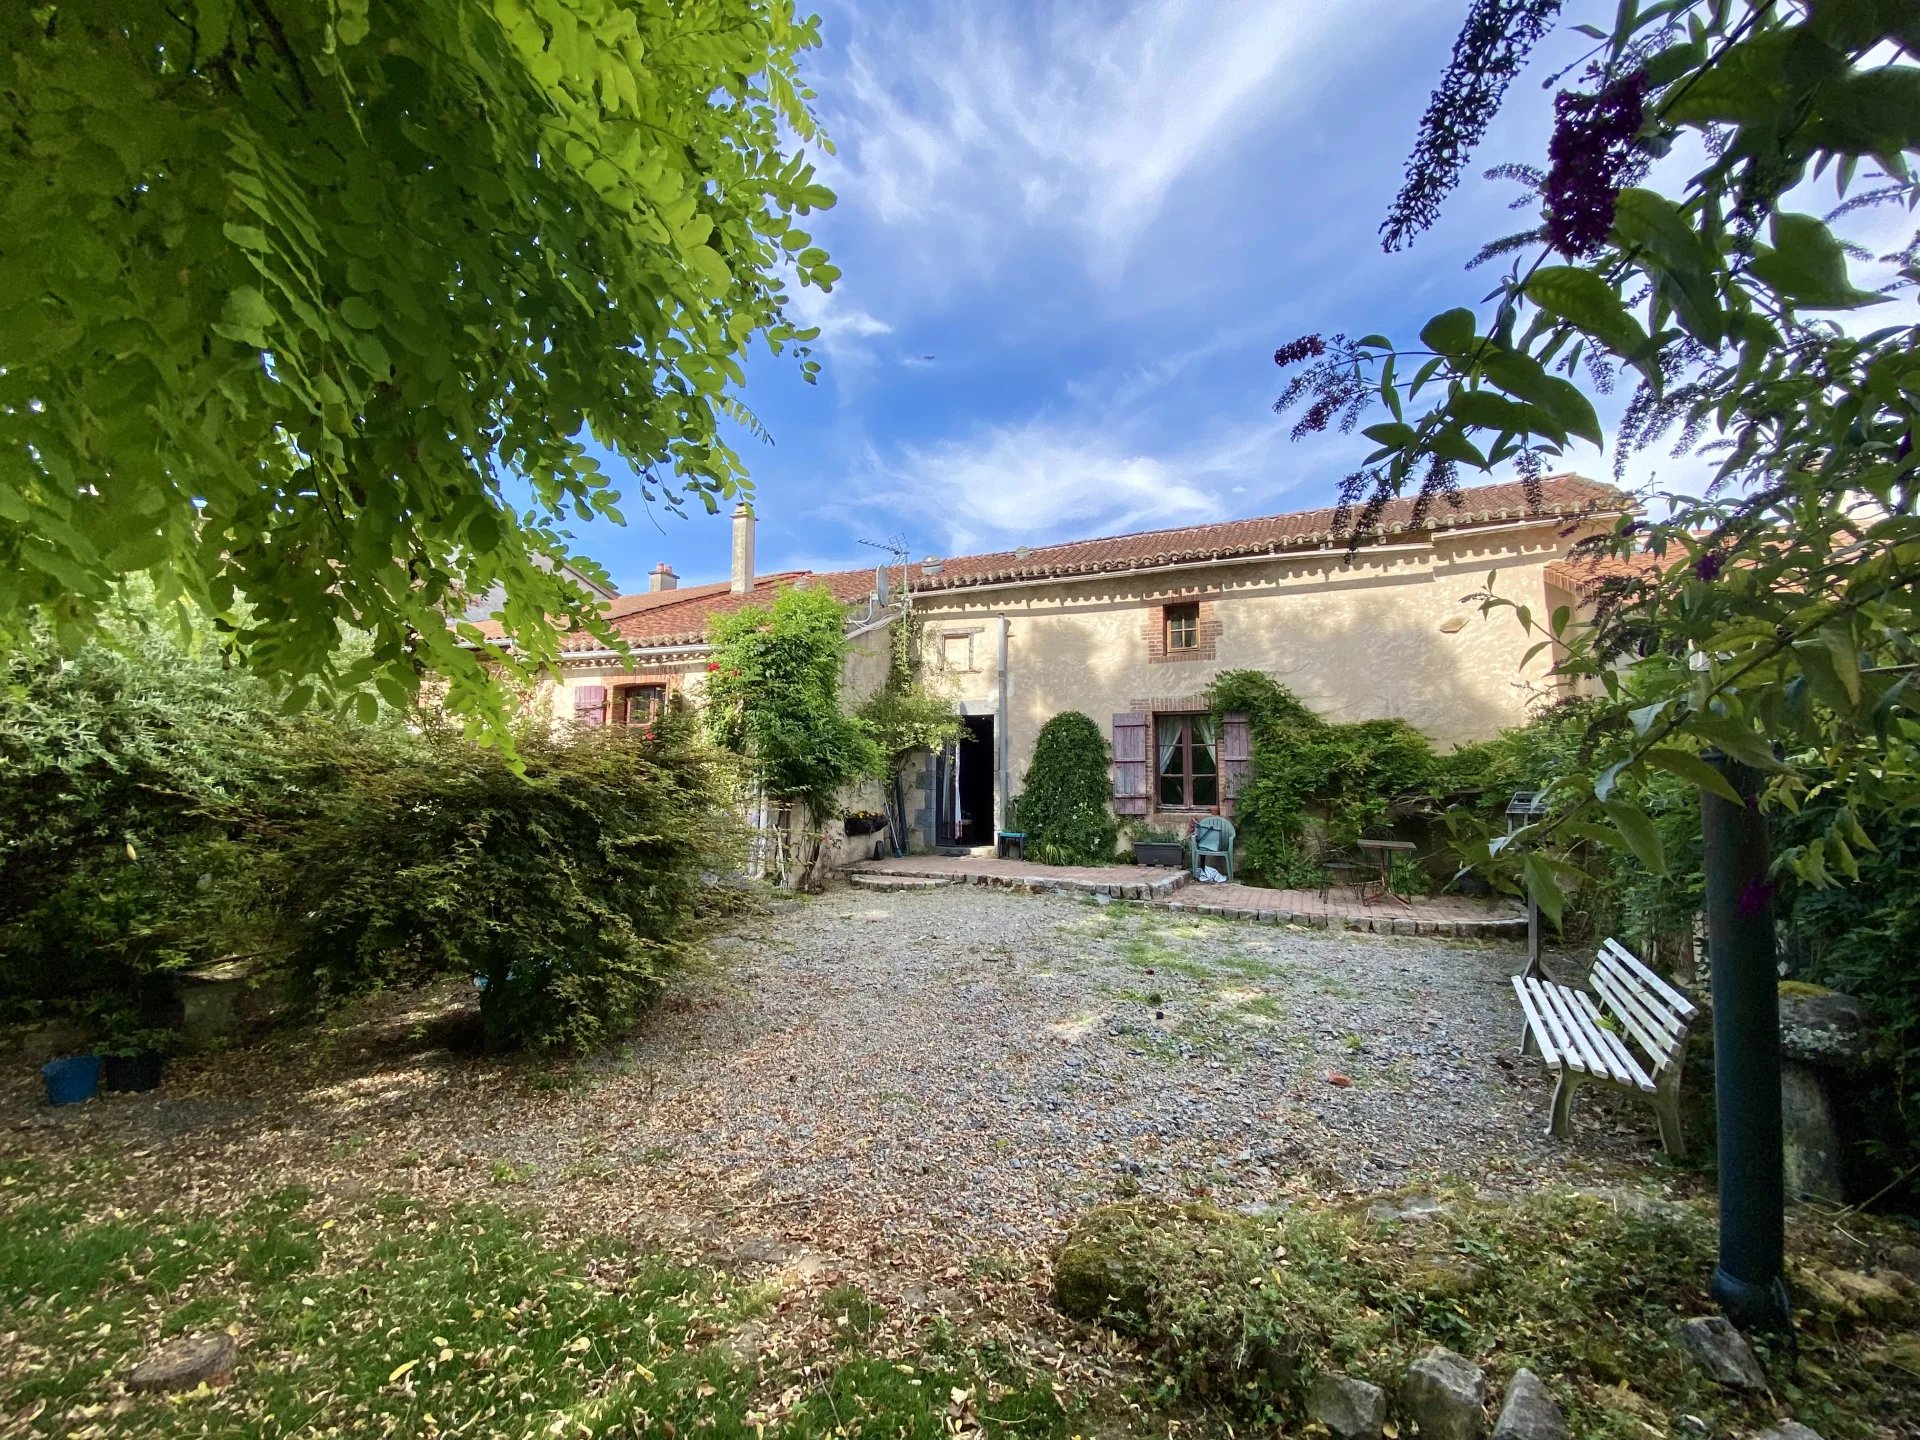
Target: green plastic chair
(1213,840)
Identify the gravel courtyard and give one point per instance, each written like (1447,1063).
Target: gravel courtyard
(925,1084)
(959,1072)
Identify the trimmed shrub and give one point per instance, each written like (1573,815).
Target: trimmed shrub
(566,889)
(1064,801)
(118,763)
(161,813)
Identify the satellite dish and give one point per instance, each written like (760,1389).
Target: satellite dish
(880,584)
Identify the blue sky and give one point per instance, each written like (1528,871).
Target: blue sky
(1071,237)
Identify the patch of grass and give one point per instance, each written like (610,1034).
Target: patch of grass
(1240,1312)
(372,1319)
(997,1265)
(505,1172)
(849,1307)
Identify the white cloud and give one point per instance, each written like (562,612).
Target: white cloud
(962,122)
(1041,481)
(844,328)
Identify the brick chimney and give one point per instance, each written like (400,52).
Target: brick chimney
(661,577)
(742,548)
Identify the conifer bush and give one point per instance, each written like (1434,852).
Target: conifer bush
(1064,806)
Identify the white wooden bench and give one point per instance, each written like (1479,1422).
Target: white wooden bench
(1584,1039)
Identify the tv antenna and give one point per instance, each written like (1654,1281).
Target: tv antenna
(896,549)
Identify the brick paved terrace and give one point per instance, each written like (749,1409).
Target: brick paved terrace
(1342,907)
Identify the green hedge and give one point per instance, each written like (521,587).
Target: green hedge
(1306,769)
(158,812)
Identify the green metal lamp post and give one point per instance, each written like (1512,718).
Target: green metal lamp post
(1750,1283)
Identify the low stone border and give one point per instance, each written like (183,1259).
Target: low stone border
(1161,892)
(1502,928)
(899,882)
(1038,882)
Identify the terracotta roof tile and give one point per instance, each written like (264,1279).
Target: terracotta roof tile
(1561,495)
(681,617)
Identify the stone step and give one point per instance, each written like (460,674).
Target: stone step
(898,882)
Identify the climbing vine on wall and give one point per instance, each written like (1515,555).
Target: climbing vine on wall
(907,715)
(1307,770)
(773,696)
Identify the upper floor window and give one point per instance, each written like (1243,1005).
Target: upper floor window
(1183,627)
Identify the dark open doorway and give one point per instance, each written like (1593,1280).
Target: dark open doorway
(965,778)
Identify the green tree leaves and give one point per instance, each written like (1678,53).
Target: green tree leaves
(1770,616)
(773,696)
(319,314)
(1806,267)
(1587,302)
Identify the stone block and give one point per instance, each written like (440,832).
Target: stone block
(187,1363)
(1350,1409)
(1530,1412)
(1810,1139)
(1446,1396)
(1721,1352)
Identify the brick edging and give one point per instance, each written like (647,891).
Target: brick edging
(1041,883)
(1500,929)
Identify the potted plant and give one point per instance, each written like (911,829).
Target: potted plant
(1152,846)
(133,1052)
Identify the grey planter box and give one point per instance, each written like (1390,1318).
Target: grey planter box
(1170,853)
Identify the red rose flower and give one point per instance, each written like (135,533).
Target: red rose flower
(713,665)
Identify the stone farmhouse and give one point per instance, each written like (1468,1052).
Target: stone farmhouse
(1131,629)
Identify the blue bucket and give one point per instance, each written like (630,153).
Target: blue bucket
(71,1080)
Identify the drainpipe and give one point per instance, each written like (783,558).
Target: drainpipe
(1000,730)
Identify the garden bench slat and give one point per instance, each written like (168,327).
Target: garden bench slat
(1583,1035)
(1534,1027)
(1600,1048)
(1562,1042)
(1573,1027)
(1626,1069)
(1663,1027)
(1655,1038)
(1593,1037)
(1638,968)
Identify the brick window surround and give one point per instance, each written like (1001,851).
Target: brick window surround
(1206,629)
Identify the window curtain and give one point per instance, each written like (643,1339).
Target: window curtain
(1203,740)
(1169,737)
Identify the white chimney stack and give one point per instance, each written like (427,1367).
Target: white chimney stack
(662,578)
(742,548)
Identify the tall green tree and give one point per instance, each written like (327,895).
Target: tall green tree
(1771,614)
(311,310)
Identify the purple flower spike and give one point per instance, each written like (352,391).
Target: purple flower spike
(1307,347)
(1594,154)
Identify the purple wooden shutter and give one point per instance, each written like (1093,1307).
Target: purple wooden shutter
(1236,759)
(1130,764)
(590,705)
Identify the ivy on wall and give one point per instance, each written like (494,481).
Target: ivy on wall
(1305,770)
(773,696)
(905,715)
